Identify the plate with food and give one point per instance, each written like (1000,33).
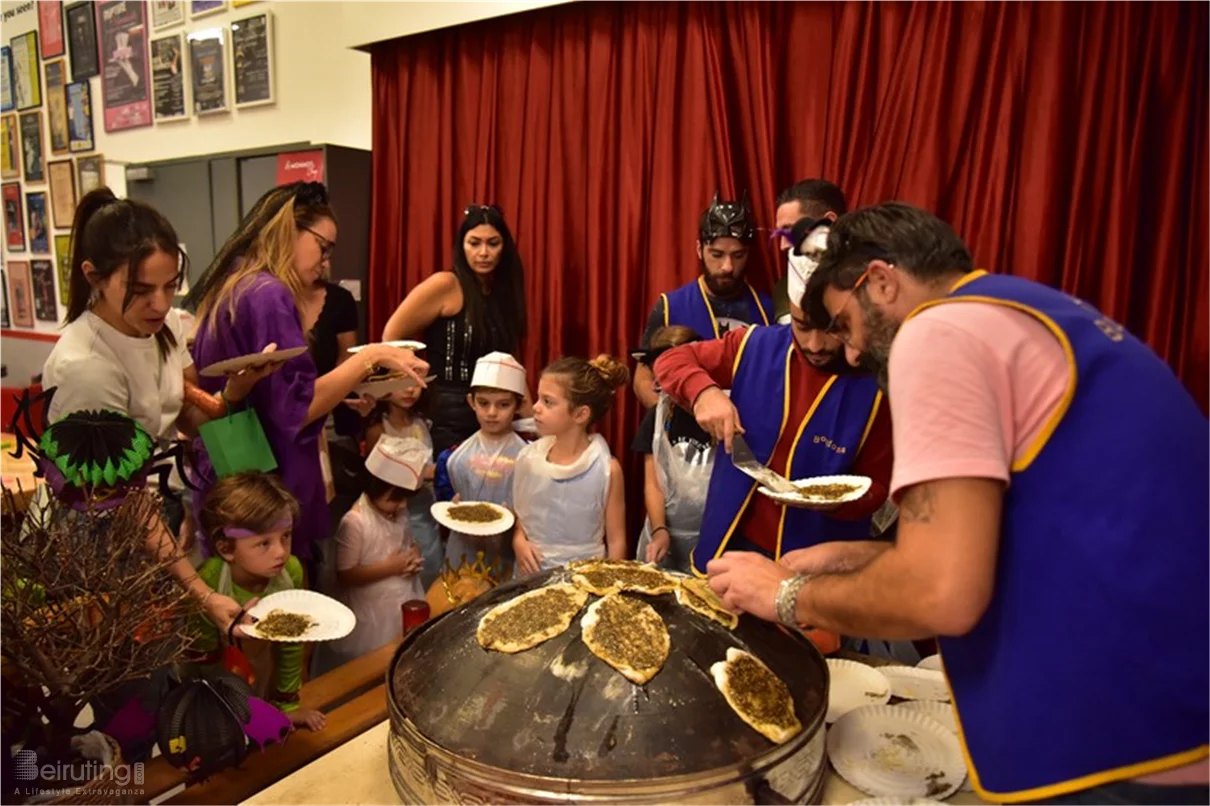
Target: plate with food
(853,685)
(822,491)
(912,683)
(220,368)
(300,616)
(895,752)
(474,518)
(385,381)
(404,344)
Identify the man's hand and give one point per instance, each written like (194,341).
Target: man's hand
(717,416)
(838,557)
(747,582)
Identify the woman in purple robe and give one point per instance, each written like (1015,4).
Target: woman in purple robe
(253,296)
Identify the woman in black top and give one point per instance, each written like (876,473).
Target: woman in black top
(463,314)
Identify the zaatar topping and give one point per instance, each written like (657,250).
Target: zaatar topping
(280,624)
(625,577)
(473,513)
(936,784)
(760,693)
(627,632)
(529,616)
(827,492)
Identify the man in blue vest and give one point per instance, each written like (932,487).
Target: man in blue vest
(1051,474)
(720,299)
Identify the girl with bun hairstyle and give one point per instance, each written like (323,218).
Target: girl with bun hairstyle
(567,487)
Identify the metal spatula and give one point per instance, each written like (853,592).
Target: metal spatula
(743,458)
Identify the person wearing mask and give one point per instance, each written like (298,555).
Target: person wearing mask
(1051,476)
(720,299)
(815,199)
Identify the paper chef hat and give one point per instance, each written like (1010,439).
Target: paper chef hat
(399,461)
(802,266)
(499,371)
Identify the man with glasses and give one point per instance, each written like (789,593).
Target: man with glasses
(720,299)
(1051,474)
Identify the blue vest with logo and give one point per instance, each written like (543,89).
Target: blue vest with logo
(1089,665)
(690,307)
(825,443)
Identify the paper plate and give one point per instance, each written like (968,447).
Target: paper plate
(384,388)
(896,802)
(895,752)
(221,368)
(862,483)
(910,683)
(853,685)
(440,512)
(940,711)
(525,425)
(931,662)
(333,619)
(407,344)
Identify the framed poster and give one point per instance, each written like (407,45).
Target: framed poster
(168,78)
(56,105)
(62,177)
(82,36)
(252,60)
(32,156)
(79,117)
(204,8)
(27,87)
(39,222)
(4,300)
(21,295)
(63,267)
(45,308)
(14,217)
(90,173)
(122,43)
(10,152)
(166,13)
(50,27)
(208,71)
(6,79)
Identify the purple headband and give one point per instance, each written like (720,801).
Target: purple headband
(235,532)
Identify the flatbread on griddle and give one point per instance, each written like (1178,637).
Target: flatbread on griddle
(628,634)
(604,577)
(757,695)
(531,618)
(696,595)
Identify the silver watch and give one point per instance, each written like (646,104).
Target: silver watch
(786,602)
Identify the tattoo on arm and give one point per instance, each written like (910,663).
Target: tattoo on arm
(918,504)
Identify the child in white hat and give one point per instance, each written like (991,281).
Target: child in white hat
(377,561)
(481,468)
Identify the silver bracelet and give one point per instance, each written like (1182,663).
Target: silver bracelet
(786,602)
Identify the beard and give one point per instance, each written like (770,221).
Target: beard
(722,287)
(880,334)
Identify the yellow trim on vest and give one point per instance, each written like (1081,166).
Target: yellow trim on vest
(781,522)
(756,298)
(740,353)
(701,287)
(869,424)
(665,298)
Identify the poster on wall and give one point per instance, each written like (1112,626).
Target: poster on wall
(62,193)
(56,105)
(166,13)
(79,117)
(4,300)
(252,57)
(20,293)
(90,173)
(204,8)
(45,308)
(63,267)
(300,166)
(168,78)
(10,152)
(6,79)
(27,87)
(50,27)
(122,43)
(32,157)
(208,71)
(39,222)
(82,35)
(14,216)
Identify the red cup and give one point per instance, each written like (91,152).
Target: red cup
(415,613)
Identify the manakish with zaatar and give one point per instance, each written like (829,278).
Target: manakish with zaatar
(604,577)
(531,618)
(696,595)
(757,695)
(627,634)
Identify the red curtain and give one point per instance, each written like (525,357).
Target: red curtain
(1066,142)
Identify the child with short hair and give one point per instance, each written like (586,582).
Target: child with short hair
(481,468)
(567,486)
(248,519)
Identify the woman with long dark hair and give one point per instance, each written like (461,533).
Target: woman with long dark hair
(462,314)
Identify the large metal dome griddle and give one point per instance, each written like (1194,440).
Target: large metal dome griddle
(559,711)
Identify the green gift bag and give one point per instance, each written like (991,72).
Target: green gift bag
(237,443)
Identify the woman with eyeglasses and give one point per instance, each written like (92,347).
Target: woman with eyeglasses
(462,314)
(255,297)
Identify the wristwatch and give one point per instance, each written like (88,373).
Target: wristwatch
(787,599)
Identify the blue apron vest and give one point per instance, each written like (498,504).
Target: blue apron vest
(689,306)
(1089,665)
(826,443)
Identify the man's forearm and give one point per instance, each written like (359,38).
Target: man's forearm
(881,600)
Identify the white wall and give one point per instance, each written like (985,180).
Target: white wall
(367,22)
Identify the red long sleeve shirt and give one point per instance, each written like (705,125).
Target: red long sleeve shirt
(687,371)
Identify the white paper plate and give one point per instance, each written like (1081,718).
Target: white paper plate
(854,685)
(384,388)
(931,662)
(896,802)
(406,344)
(221,368)
(910,683)
(940,711)
(440,513)
(863,486)
(525,425)
(894,752)
(333,619)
